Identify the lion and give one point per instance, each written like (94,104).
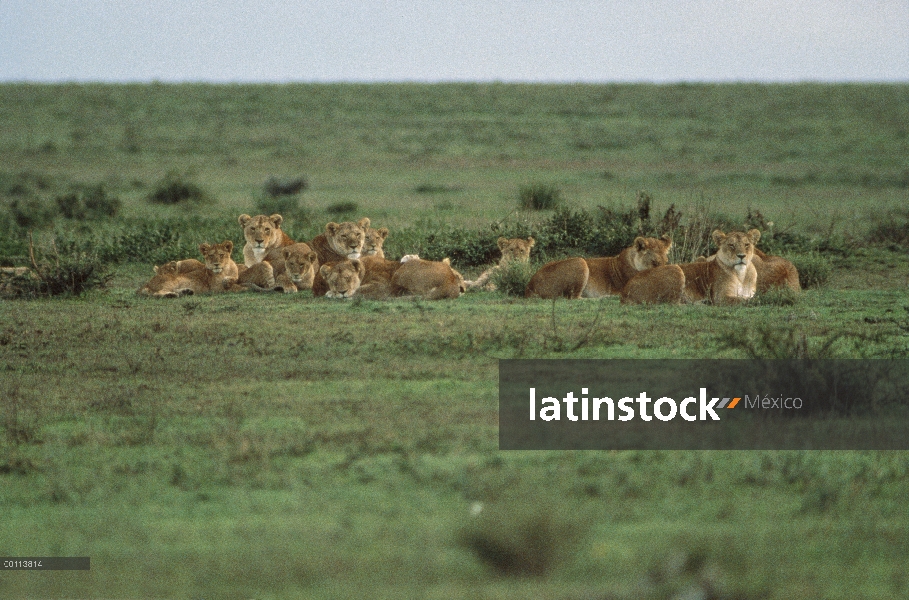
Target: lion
(433,280)
(297,268)
(376,284)
(340,241)
(772,271)
(578,277)
(663,284)
(513,250)
(373,241)
(338,279)
(177,278)
(730,277)
(262,234)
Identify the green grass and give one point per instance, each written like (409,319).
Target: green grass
(192,451)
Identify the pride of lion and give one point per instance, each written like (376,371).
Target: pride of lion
(347,260)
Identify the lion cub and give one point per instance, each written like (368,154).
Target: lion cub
(373,242)
(433,280)
(513,250)
(597,277)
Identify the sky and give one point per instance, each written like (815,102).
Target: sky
(454,40)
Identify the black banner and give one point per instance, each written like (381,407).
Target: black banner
(628,404)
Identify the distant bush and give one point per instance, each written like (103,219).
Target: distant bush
(814,269)
(539,197)
(32,212)
(342,208)
(57,274)
(177,189)
(434,188)
(276,187)
(891,230)
(512,278)
(287,206)
(91,202)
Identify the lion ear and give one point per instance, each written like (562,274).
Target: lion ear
(324,270)
(718,236)
(531,242)
(640,244)
(332,228)
(244,219)
(156,268)
(383,232)
(203,248)
(285,252)
(228,245)
(755,235)
(667,241)
(363,223)
(446,261)
(276,219)
(501,242)
(313,257)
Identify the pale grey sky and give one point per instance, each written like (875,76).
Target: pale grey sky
(455,40)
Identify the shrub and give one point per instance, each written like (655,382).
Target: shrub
(814,270)
(177,189)
(32,212)
(275,187)
(286,206)
(512,278)
(892,230)
(55,274)
(341,209)
(539,197)
(92,202)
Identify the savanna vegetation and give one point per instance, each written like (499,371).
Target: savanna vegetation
(284,446)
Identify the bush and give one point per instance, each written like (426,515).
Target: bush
(177,189)
(892,230)
(56,274)
(32,212)
(512,278)
(814,270)
(342,209)
(275,187)
(92,202)
(539,197)
(286,206)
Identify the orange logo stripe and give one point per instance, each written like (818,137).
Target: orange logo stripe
(733,403)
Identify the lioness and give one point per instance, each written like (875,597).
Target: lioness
(663,284)
(772,271)
(340,241)
(338,279)
(432,280)
(173,279)
(730,277)
(597,277)
(297,268)
(513,250)
(262,234)
(376,283)
(373,241)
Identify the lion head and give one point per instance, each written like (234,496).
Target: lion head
(261,232)
(647,253)
(217,256)
(300,262)
(736,249)
(372,243)
(515,249)
(343,278)
(347,238)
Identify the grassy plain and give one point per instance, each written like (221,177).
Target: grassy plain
(277,446)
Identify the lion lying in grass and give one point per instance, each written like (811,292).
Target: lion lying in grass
(177,278)
(513,250)
(597,277)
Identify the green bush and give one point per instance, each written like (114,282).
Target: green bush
(342,209)
(32,212)
(286,206)
(814,269)
(176,188)
(61,274)
(512,278)
(276,187)
(891,230)
(91,202)
(539,196)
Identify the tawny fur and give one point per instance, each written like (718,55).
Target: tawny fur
(660,285)
(218,275)
(513,250)
(432,280)
(598,277)
(373,242)
(338,279)
(340,242)
(730,277)
(262,233)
